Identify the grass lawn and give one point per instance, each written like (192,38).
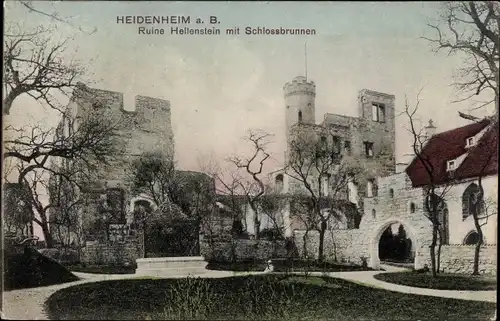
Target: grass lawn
(285,266)
(442,282)
(238,266)
(262,297)
(102,269)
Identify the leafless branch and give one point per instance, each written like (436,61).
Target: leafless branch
(55,16)
(471,28)
(36,66)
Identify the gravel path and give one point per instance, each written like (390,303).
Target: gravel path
(28,304)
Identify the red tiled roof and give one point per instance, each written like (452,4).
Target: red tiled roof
(482,159)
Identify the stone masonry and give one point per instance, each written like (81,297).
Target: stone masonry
(147,128)
(368,140)
(396,203)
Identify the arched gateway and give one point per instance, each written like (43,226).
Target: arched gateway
(377,234)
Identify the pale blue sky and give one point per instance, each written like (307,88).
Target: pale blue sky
(219,86)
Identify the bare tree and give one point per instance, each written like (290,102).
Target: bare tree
(272,205)
(229,192)
(73,151)
(66,199)
(153,173)
(253,166)
(36,66)
(435,190)
(17,211)
(35,182)
(90,140)
(323,174)
(481,208)
(55,194)
(472,28)
(192,192)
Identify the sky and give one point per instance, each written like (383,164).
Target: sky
(221,86)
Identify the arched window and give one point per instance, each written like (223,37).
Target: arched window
(300,116)
(412,207)
(443,226)
(471,238)
(470,199)
(391,193)
(279,182)
(374,213)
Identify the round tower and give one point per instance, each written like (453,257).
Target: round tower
(300,95)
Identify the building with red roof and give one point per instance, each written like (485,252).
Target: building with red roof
(459,154)
(458,162)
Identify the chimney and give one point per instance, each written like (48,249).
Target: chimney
(430,130)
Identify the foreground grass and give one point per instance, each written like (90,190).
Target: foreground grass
(441,282)
(263,297)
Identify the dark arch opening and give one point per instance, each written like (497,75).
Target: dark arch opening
(396,247)
(472,238)
(142,209)
(300,116)
(470,200)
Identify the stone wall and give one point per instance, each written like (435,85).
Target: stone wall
(348,246)
(339,245)
(242,249)
(113,253)
(460,259)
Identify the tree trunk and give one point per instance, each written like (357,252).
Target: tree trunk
(256,226)
(438,256)
(304,243)
(9,100)
(476,209)
(197,235)
(433,251)
(49,241)
(255,220)
(477,250)
(322,231)
(497,105)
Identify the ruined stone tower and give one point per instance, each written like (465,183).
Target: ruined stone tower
(300,97)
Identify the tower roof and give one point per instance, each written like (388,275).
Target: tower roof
(300,84)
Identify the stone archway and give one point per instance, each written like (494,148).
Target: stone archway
(142,199)
(377,234)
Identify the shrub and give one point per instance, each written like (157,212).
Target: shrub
(32,269)
(240,266)
(62,255)
(364,261)
(271,234)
